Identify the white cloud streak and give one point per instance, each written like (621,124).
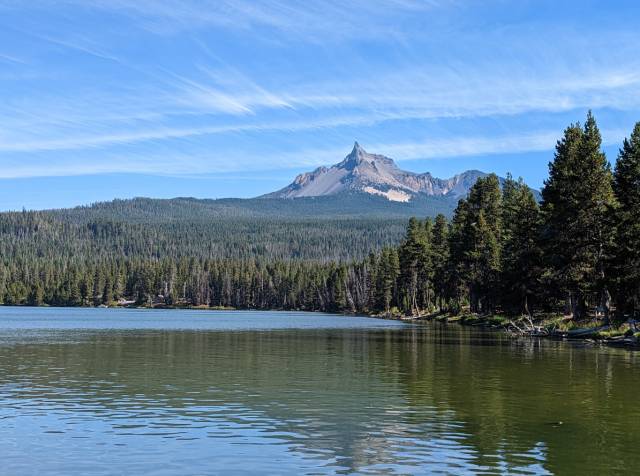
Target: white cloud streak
(410,96)
(185,165)
(314,22)
(201,102)
(11,59)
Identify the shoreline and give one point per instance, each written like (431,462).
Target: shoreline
(621,336)
(595,333)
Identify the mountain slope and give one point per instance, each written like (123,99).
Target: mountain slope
(339,227)
(341,206)
(375,174)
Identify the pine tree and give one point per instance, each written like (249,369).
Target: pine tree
(16,294)
(36,295)
(86,288)
(389,271)
(456,264)
(98,287)
(439,258)
(481,256)
(338,289)
(413,255)
(577,199)
(521,253)
(373,265)
(627,217)
(107,292)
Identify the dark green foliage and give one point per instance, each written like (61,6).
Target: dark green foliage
(626,263)
(475,245)
(387,282)
(439,260)
(501,252)
(521,265)
(50,236)
(577,202)
(345,205)
(414,266)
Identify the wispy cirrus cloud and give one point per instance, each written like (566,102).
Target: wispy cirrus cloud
(131,119)
(331,19)
(203,163)
(166,86)
(11,59)
(81,44)
(437,148)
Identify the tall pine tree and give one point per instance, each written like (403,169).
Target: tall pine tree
(627,217)
(577,199)
(521,253)
(413,255)
(482,256)
(439,258)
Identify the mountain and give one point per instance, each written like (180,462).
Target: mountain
(376,174)
(355,206)
(339,213)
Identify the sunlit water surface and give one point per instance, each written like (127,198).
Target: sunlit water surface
(99,391)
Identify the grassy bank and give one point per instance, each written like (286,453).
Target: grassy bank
(621,334)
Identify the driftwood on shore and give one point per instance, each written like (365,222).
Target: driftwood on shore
(527,328)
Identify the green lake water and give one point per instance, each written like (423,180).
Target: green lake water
(103,391)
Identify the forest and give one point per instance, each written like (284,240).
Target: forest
(576,252)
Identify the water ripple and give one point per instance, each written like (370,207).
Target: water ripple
(189,394)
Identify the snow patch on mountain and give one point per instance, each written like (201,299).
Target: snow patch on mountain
(375,174)
(391,195)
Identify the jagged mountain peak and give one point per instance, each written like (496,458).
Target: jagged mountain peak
(358,156)
(375,174)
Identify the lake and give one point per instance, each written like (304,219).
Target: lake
(172,392)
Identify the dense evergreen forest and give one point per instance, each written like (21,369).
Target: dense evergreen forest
(346,205)
(43,236)
(576,252)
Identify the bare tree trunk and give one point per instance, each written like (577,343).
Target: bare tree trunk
(605,304)
(349,297)
(578,305)
(525,306)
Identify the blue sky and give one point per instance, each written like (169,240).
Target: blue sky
(213,98)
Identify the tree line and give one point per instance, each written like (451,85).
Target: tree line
(577,252)
(34,235)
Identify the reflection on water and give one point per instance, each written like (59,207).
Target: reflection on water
(103,392)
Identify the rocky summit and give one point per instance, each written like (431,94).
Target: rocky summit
(375,174)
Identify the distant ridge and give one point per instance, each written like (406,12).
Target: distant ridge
(362,185)
(376,174)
